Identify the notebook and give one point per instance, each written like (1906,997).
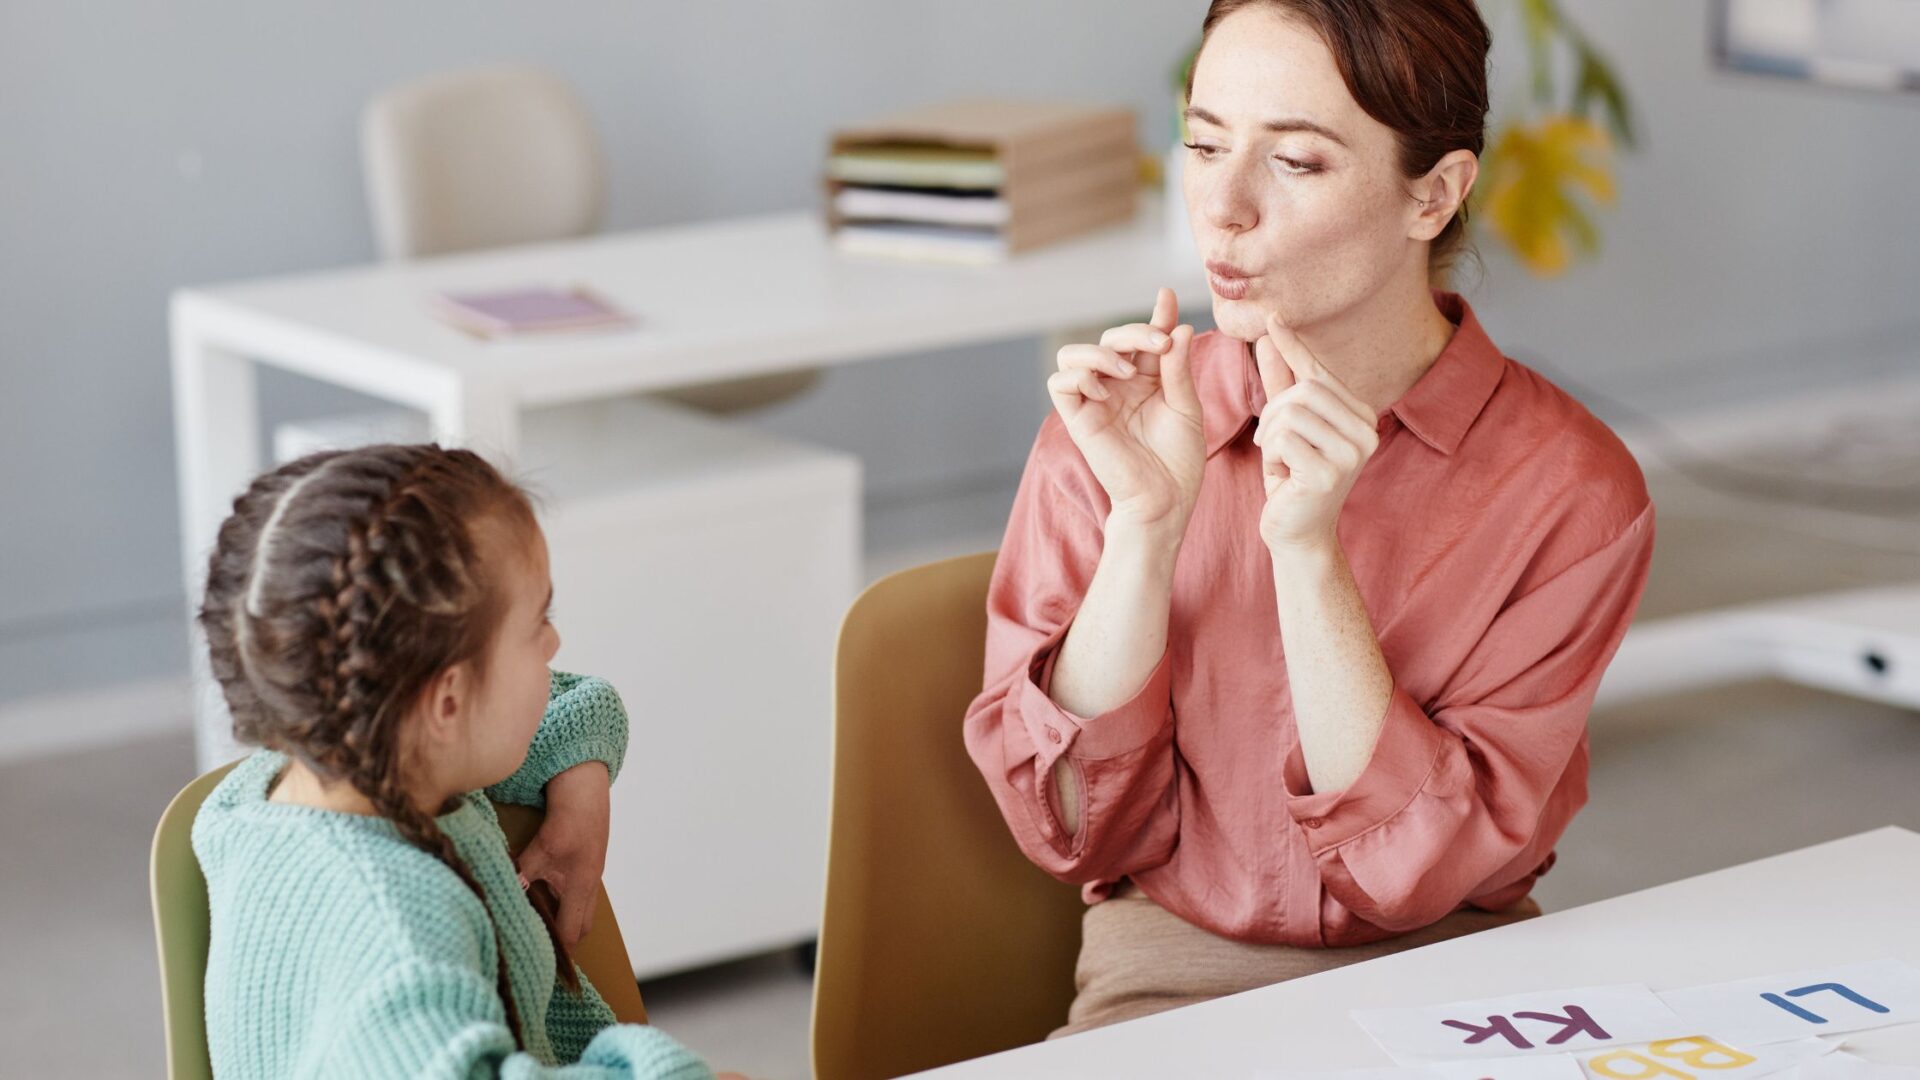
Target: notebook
(917,166)
(927,243)
(886,204)
(529,309)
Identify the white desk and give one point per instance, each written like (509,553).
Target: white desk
(1862,642)
(715,299)
(1839,902)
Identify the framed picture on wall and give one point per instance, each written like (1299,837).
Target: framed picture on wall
(1874,44)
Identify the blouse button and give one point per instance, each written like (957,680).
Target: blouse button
(1314,822)
(1053,735)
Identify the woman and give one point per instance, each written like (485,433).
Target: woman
(1296,626)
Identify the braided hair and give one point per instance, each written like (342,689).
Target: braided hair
(339,587)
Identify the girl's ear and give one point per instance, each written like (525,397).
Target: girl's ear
(444,706)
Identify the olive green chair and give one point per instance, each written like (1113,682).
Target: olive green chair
(180,925)
(939,941)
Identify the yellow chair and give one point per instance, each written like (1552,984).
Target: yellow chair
(940,941)
(180,925)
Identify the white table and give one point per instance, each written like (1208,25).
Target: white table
(1844,901)
(1862,642)
(716,300)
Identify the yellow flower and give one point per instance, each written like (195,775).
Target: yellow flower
(1531,184)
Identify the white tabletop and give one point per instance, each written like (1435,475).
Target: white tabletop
(713,299)
(1848,900)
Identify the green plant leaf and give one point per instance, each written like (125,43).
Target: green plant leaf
(1595,81)
(1540,19)
(1181,72)
(1536,180)
(1185,67)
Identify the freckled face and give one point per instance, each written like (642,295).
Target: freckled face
(1294,193)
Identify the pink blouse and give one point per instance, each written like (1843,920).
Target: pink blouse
(1500,536)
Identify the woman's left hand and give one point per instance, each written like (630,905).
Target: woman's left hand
(1315,435)
(569,852)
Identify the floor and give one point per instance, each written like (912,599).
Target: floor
(1726,776)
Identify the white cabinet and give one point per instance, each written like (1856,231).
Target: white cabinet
(702,568)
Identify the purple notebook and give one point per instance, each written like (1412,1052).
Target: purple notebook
(500,312)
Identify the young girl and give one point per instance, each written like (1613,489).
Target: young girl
(378,620)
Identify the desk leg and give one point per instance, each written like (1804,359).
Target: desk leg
(482,418)
(216,426)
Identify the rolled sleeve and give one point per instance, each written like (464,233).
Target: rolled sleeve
(1458,799)
(585,721)
(1127,728)
(428,1018)
(1015,732)
(1404,757)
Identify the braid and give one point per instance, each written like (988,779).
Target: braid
(341,585)
(230,576)
(423,832)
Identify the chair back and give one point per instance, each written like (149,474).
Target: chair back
(478,159)
(940,941)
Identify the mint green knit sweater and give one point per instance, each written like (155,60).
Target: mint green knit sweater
(340,950)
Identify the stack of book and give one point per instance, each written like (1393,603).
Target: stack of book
(976,181)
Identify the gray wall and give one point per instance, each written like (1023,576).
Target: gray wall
(1766,237)
(148,146)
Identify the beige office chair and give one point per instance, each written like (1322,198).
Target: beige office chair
(496,156)
(181,928)
(940,941)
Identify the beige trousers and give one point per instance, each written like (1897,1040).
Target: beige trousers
(1137,958)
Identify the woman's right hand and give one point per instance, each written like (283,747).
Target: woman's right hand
(1130,405)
